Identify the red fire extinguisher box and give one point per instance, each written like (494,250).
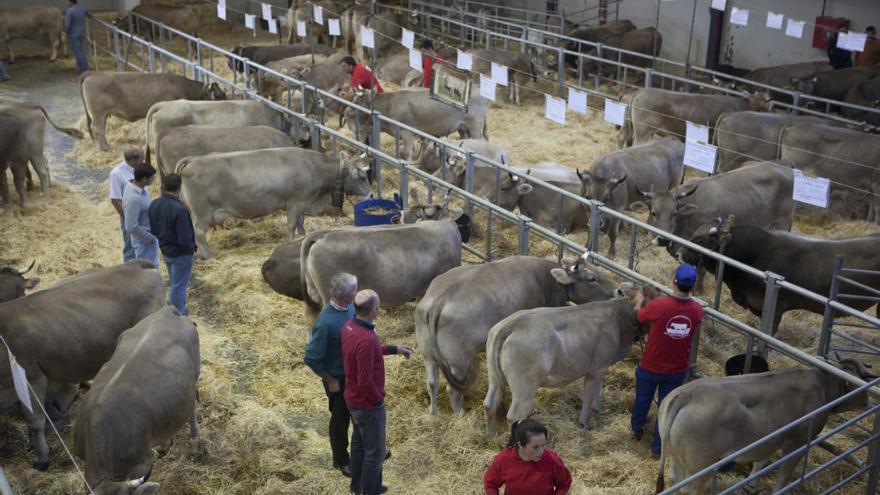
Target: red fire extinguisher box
(825,28)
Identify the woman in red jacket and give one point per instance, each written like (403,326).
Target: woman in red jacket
(525,467)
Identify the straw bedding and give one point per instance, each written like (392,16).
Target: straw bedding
(263,413)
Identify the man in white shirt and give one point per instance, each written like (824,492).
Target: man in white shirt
(120,176)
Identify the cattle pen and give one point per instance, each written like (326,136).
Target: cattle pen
(854,462)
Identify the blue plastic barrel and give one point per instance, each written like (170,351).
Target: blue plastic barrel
(363,218)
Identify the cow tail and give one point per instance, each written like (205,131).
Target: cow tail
(306,281)
(497,381)
(431,323)
(666,414)
(66,130)
(82,79)
(661,480)
(149,125)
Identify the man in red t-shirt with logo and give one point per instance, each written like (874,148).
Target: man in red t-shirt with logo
(429,56)
(674,321)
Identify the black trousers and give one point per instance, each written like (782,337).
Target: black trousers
(339,421)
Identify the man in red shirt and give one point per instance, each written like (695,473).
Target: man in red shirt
(361,75)
(674,321)
(429,56)
(364,393)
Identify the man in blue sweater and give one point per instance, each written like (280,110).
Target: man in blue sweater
(171,224)
(75,20)
(324,357)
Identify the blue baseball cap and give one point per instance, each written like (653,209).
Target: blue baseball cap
(685,276)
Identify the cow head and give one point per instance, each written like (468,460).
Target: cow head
(806,85)
(714,235)
(581,282)
(418,211)
(836,387)
(121,23)
(13,282)
(598,187)
(354,174)
(758,102)
(213,92)
(512,188)
(665,208)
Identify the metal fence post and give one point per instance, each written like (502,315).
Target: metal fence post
(316,135)
(874,458)
(199,53)
(648,76)
(152,57)
(469,178)
(595,226)
(560,71)
(768,311)
(522,227)
(376,143)
(115,51)
(404,184)
(828,317)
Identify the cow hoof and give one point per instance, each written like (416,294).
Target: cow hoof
(41,465)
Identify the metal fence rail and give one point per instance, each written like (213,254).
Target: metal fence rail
(863,469)
(651,71)
(119,45)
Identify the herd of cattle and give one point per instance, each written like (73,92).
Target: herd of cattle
(243,159)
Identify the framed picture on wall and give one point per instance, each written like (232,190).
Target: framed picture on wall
(451,86)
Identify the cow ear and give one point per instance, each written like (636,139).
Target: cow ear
(638,207)
(561,276)
(688,209)
(524,189)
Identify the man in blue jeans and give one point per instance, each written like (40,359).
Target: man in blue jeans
(674,321)
(171,223)
(364,365)
(136,208)
(75,26)
(4,76)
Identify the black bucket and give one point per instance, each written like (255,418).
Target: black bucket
(734,365)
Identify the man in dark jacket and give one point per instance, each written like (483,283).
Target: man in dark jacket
(170,222)
(362,359)
(838,57)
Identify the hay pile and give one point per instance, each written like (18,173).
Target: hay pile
(263,413)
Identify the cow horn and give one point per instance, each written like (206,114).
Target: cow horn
(685,194)
(513,178)
(621,179)
(135,483)
(644,194)
(28,268)
(583,176)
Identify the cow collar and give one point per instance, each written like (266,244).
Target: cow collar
(338,196)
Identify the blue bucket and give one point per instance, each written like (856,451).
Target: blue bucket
(364,218)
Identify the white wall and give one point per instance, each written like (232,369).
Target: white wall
(749,46)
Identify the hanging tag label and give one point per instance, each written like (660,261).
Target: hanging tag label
(301,28)
(811,190)
(774,20)
(333,27)
(267,11)
(615,113)
(464,61)
(319,14)
(273,26)
(408,38)
(739,16)
(554,109)
(415,60)
(697,133)
(854,42)
(367,40)
(221,12)
(577,100)
(794,28)
(250,21)
(719,5)
(499,74)
(487,87)
(19,380)
(700,156)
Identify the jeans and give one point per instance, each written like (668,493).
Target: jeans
(127,248)
(76,45)
(179,270)
(340,418)
(146,250)
(367,449)
(647,384)
(3,73)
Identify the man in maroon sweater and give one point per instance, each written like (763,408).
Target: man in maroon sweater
(364,365)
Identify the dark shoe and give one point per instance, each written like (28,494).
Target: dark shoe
(655,455)
(345,470)
(637,435)
(384,488)
(387,455)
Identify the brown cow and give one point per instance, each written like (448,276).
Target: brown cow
(179,17)
(32,22)
(129,95)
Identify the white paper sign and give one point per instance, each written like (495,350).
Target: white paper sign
(415,60)
(696,132)
(221,3)
(554,109)
(700,156)
(811,190)
(854,42)
(367,40)
(719,5)
(273,26)
(465,61)
(487,87)
(221,12)
(319,14)
(794,28)
(577,100)
(19,380)
(267,11)
(250,21)
(499,74)
(301,28)
(615,112)
(739,17)
(408,39)
(774,20)
(333,27)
